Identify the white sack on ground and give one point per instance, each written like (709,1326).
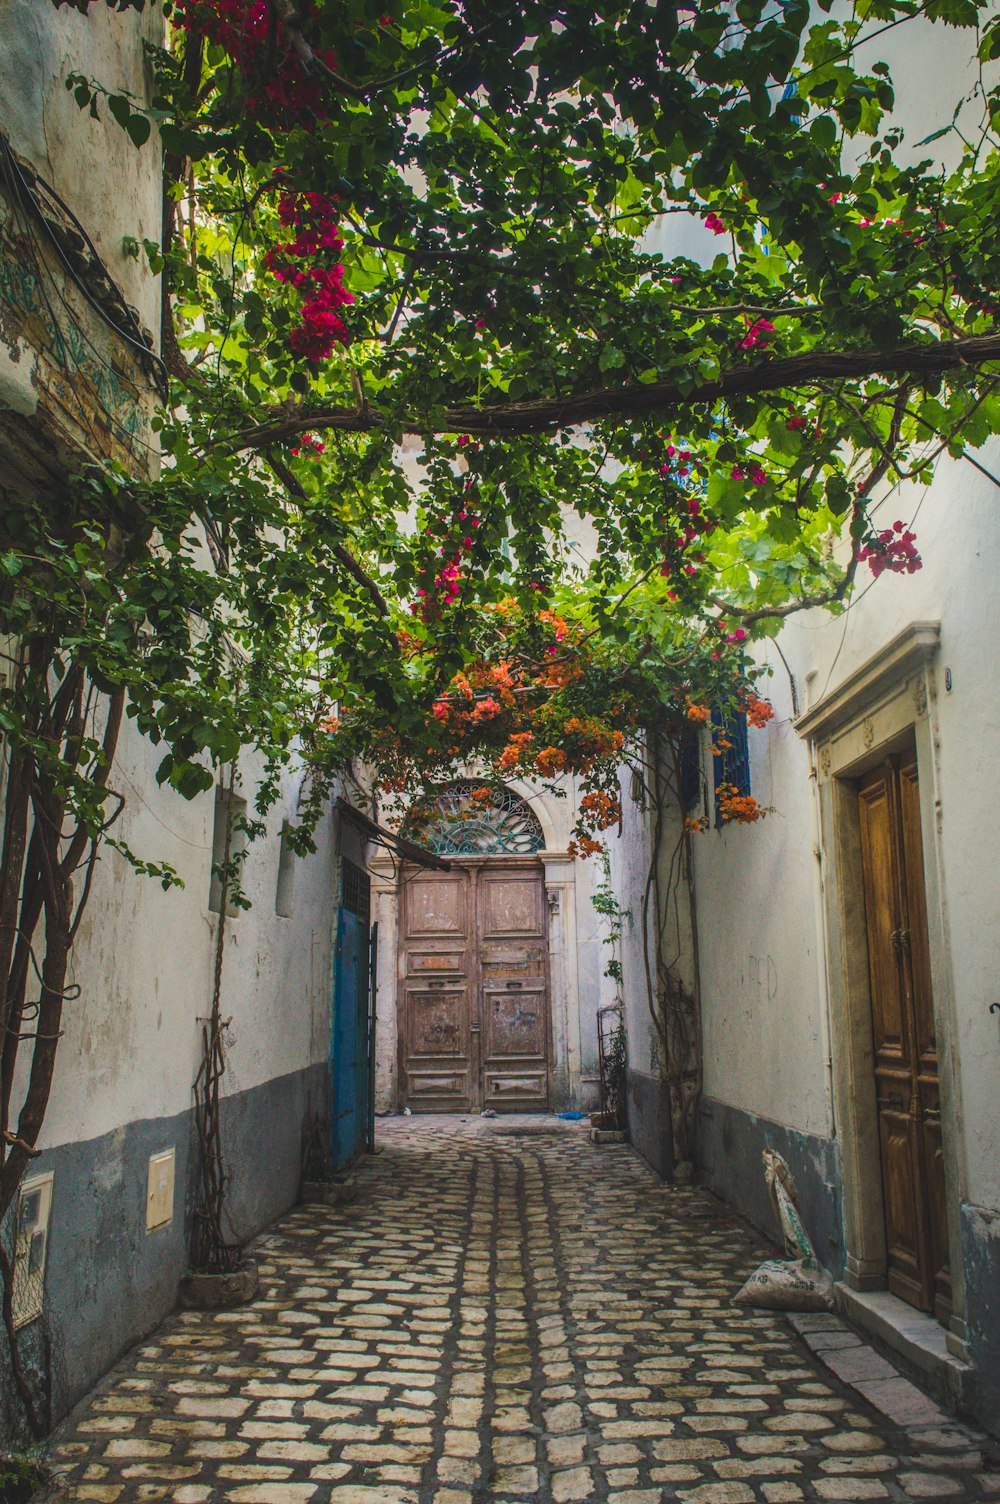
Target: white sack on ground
(798,1283)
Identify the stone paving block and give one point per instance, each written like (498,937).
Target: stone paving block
(901,1401)
(509,1319)
(843,1490)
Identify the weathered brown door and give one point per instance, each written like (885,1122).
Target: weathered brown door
(906,1061)
(474,1017)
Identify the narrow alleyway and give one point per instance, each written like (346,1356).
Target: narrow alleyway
(506,1313)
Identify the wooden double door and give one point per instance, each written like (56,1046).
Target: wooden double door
(905,1047)
(474,1020)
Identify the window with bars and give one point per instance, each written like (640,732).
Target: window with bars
(730,754)
(690,770)
(355,891)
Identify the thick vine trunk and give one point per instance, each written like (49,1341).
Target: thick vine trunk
(630,401)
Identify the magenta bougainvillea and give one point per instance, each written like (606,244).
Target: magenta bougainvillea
(279,91)
(894,548)
(306,262)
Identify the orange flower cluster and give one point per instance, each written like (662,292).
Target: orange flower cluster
(551,761)
(698,713)
(758,712)
(584,846)
(600,740)
(693,824)
(601,809)
(517,752)
(743,808)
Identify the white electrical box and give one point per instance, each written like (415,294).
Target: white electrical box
(160,1191)
(33,1211)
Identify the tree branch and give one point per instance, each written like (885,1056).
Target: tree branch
(344,555)
(550,414)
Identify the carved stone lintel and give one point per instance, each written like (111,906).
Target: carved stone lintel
(553,895)
(824,762)
(868,731)
(920,695)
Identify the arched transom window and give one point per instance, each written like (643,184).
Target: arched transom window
(477,819)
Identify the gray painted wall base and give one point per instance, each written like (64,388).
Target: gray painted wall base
(981,1259)
(649,1121)
(108,1282)
(730,1145)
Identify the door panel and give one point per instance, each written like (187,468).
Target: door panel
(882,903)
(474,1026)
(436,906)
(514,989)
(905,1066)
(437,1042)
(918,957)
(510,905)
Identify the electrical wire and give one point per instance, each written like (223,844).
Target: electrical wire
(132,336)
(41,272)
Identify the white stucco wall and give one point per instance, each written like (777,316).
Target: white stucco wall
(762,976)
(144,960)
(764,1047)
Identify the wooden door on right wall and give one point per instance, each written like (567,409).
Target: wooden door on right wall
(906,1058)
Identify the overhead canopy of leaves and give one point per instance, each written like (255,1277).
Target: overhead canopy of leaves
(674,268)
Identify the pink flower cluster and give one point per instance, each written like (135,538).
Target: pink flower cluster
(298,263)
(753,473)
(758,334)
(309,443)
(678,461)
(282,93)
(689,528)
(715,224)
(894,548)
(444,586)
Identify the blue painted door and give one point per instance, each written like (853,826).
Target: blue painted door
(349,1045)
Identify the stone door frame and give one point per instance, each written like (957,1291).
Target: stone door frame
(564,981)
(889,701)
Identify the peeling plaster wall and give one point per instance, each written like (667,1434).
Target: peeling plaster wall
(144,962)
(113,188)
(145,958)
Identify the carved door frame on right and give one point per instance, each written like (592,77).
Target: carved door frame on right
(884,706)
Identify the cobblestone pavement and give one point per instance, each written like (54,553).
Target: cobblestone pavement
(506,1313)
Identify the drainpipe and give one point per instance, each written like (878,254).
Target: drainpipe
(822,957)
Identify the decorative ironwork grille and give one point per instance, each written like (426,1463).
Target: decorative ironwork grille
(477,819)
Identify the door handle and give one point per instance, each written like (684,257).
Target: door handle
(900,941)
